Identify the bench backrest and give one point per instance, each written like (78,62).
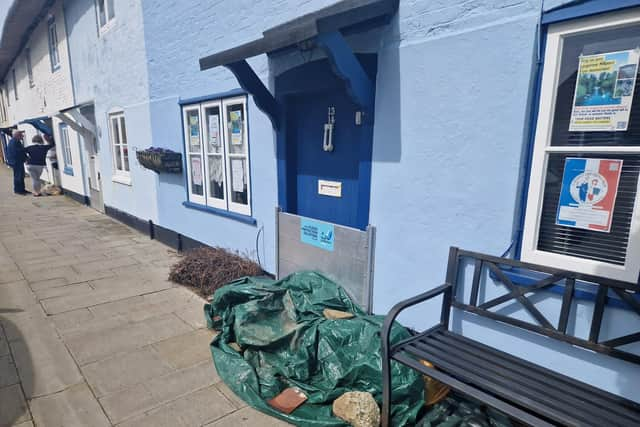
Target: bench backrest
(502,270)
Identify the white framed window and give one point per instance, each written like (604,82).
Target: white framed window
(582,208)
(217,154)
(15,84)
(27,56)
(3,106)
(67,159)
(120,148)
(54,55)
(106,13)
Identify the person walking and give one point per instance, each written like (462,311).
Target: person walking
(16,156)
(36,161)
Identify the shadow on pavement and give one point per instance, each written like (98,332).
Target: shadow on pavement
(13,407)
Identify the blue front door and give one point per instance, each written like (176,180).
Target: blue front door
(346,168)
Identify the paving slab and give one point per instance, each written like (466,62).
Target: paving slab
(48,283)
(247,417)
(59,291)
(90,347)
(230,395)
(8,276)
(195,409)
(4,345)
(8,372)
(186,350)
(125,370)
(142,397)
(104,264)
(13,407)
(105,290)
(43,362)
(73,407)
(16,296)
(193,315)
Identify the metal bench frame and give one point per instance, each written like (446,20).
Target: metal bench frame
(497,267)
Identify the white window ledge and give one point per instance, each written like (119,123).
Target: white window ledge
(121,179)
(107,27)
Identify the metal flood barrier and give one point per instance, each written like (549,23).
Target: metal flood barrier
(349,261)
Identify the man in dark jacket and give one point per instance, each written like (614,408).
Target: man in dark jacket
(16,157)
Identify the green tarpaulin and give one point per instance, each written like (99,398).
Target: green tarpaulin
(286,341)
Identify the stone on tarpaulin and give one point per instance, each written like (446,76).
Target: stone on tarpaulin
(336,314)
(358,409)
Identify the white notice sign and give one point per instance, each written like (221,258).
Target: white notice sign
(237,175)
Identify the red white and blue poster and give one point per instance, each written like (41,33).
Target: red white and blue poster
(588,194)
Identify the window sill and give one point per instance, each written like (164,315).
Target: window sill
(120,179)
(221,212)
(68,171)
(107,27)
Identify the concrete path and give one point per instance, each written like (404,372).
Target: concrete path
(92,333)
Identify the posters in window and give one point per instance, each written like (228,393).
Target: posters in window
(604,91)
(236,127)
(214,131)
(237,175)
(194,131)
(196,170)
(588,193)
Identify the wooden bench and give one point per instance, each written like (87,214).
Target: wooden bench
(527,392)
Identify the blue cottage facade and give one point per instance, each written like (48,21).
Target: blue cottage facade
(402,128)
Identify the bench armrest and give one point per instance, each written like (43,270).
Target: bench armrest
(395,311)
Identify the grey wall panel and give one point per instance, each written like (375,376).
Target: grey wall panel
(348,264)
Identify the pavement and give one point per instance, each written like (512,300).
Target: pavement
(91,331)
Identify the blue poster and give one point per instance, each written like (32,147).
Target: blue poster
(316,233)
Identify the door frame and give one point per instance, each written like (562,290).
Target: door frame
(308,79)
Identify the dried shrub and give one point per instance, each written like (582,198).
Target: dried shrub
(207,269)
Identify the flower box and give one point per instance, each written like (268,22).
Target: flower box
(160,160)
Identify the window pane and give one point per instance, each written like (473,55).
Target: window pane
(610,247)
(53,45)
(118,153)
(235,129)
(125,157)
(15,85)
(101,13)
(212,116)
(599,91)
(112,11)
(193,126)
(115,134)
(27,54)
(123,129)
(196,175)
(216,177)
(238,180)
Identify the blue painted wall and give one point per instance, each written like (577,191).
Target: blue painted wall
(200,29)
(454,93)
(453,100)
(111,70)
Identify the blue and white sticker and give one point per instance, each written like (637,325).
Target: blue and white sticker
(317,233)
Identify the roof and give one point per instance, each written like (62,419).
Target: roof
(340,16)
(22,18)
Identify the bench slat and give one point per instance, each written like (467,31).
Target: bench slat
(501,388)
(472,392)
(633,407)
(532,383)
(579,391)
